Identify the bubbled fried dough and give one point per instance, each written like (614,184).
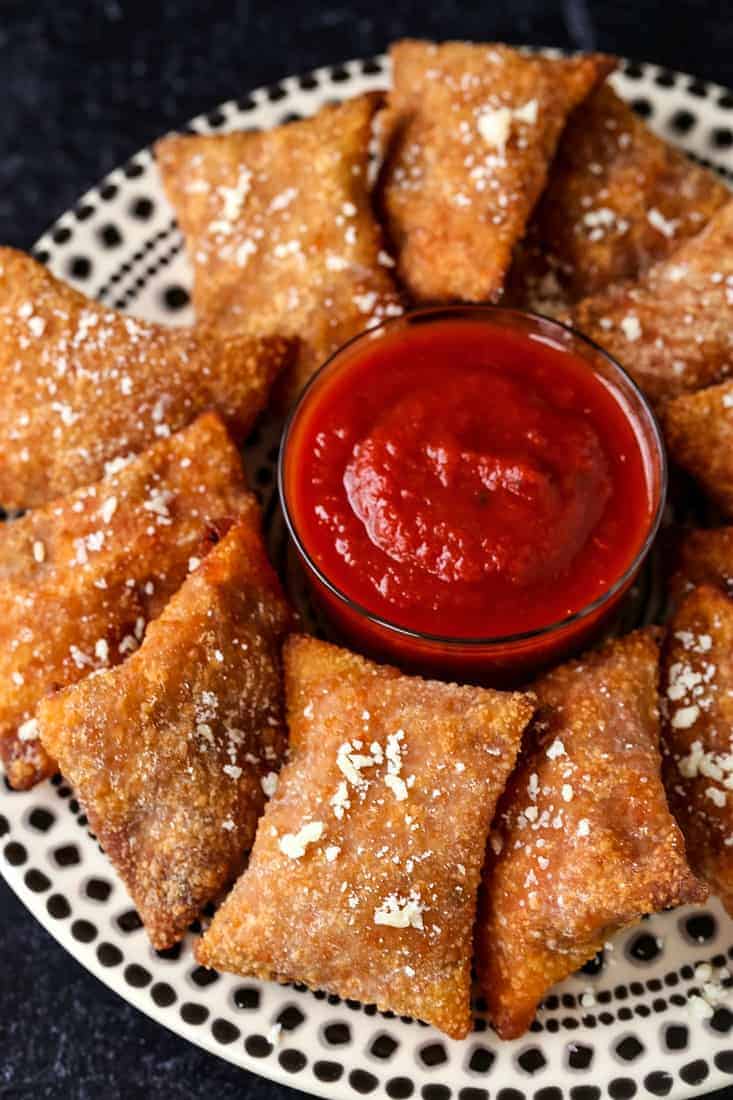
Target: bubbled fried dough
(364,871)
(673,329)
(618,199)
(80,578)
(469,133)
(84,385)
(698,429)
(697,693)
(280,231)
(583,842)
(171,753)
(702,556)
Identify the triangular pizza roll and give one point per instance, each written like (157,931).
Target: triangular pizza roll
(364,872)
(83,384)
(583,842)
(698,429)
(172,752)
(469,133)
(618,199)
(672,330)
(80,578)
(697,687)
(280,231)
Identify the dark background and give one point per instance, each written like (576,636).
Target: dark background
(82,86)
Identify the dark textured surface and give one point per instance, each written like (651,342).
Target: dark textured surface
(83,86)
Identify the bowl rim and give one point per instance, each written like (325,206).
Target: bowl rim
(589,610)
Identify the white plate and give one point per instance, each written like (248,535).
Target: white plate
(120,244)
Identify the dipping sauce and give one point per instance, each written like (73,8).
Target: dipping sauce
(469,474)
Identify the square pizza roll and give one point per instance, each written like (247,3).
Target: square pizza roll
(702,556)
(469,133)
(80,578)
(698,429)
(172,752)
(673,329)
(280,231)
(618,199)
(697,692)
(84,385)
(583,842)
(365,867)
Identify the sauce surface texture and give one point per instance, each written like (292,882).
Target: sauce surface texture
(467,480)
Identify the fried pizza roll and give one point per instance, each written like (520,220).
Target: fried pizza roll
(83,384)
(469,133)
(673,329)
(697,686)
(172,752)
(80,578)
(618,199)
(702,556)
(698,429)
(583,843)
(280,231)
(364,872)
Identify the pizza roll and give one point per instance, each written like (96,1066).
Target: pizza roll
(583,843)
(80,578)
(618,199)
(702,556)
(698,429)
(280,231)
(172,752)
(697,687)
(365,867)
(469,133)
(84,385)
(673,329)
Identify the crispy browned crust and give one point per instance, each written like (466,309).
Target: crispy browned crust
(672,330)
(168,752)
(80,578)
(702,556)
(618,199)
(698,428)
(583,841)
(312,920)
(82,384)
(280,231)
(455,204)
(697,686)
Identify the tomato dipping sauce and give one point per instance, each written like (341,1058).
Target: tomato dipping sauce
(470,476)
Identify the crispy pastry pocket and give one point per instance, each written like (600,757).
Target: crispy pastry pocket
(365,867)
(171,753)
(583,842)
(280,231)
(84,385)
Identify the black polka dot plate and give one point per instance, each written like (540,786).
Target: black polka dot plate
(650,1016)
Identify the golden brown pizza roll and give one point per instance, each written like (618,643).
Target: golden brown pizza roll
(618,199)
(469,133)
(702,556)
(673,329)
(172,752)
(697,687)
(698,428)
(80,578)
(364,871)
(280,231)
(583,842)
(83,384)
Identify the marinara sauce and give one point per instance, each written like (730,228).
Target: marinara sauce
(468,476)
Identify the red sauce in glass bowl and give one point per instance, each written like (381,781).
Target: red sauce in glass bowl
(472,476)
